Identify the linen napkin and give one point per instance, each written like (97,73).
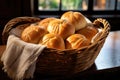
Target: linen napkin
(19,58)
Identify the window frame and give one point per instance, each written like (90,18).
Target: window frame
(88,12)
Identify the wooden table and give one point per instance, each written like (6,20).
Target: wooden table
(107,63)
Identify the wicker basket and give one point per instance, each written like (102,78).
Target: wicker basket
(66,62)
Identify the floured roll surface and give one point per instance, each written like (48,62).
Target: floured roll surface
(75,18)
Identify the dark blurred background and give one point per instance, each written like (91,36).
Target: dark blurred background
(12,8)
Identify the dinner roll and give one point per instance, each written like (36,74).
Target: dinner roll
(44,23)
(76,18)
(76,41)
(89,32)
(53,41)
(61,27)
(32,34)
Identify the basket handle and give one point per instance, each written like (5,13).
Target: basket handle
(104,25)
(16,22)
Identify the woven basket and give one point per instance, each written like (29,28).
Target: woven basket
(63,62)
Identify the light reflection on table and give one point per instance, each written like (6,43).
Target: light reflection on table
(109,55)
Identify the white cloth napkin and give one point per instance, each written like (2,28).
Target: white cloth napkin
(19,58)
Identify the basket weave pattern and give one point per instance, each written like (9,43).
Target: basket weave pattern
(64,62)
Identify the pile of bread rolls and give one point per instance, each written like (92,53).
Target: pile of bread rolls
(70,31)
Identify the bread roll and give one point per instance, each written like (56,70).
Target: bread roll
(44,23)
(32,34)
(61,27)
(76,18)
(53,41)
(89,32)
(76,41)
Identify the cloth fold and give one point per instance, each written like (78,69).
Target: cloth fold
(19,58)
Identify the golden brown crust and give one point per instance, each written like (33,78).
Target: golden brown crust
(15,22)
(61,27)
(32,34)
(72,27)
(76,41)
(89,32)
(45,22)
(53,41)
(75,18)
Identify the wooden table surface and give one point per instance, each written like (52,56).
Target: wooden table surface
(107,62)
